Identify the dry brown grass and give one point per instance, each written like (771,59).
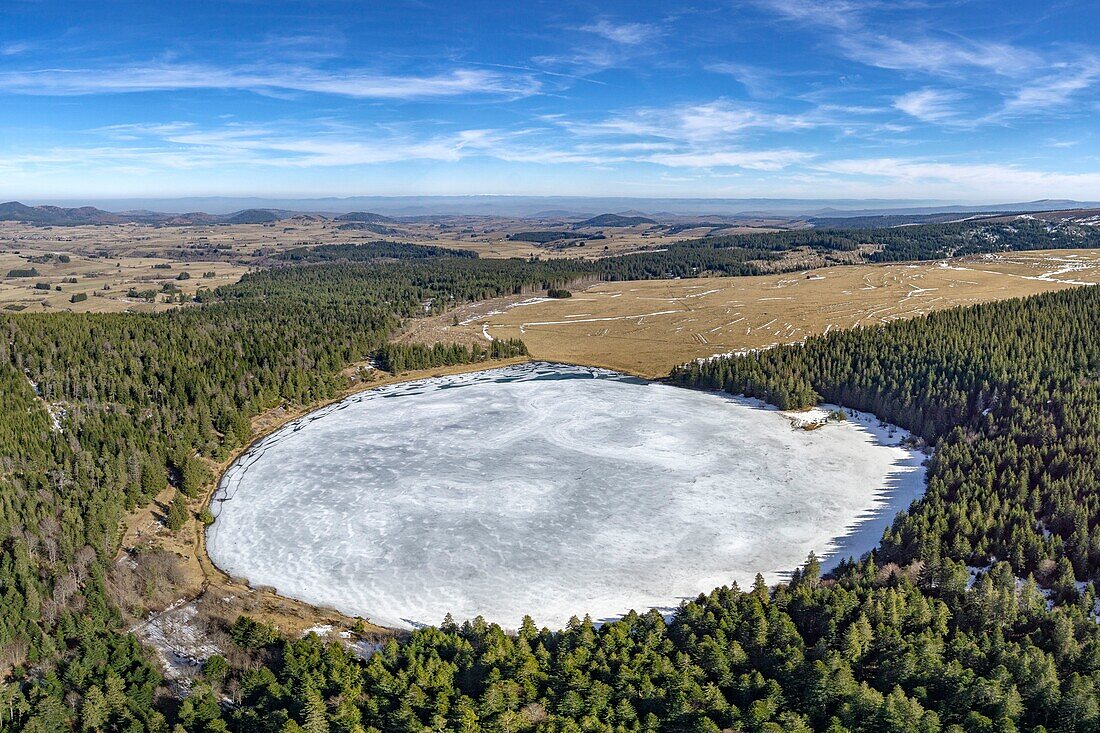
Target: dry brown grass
(648,327)
(106,281)
(489,236)
(107,261)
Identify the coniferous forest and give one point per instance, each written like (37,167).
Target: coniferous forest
(100,412)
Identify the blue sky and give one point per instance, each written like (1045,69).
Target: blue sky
(970,101)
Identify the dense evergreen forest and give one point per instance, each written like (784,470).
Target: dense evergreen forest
(1009,393)
(735,254)
(101,412)
(759,253)
(379,250)
(683,259)
(921,242)
(903,641)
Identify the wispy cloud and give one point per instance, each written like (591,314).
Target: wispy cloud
(943,53)
(755,160)
(983,180)
(14,49)
(720,122)
(691,123)
(1029,80)
(941,56)
(930,105)
(348,83)
(1055,89)
(839,14)
(758,82)
(616,45)
(696,138)
(716,134)
(630,34)
(181,146)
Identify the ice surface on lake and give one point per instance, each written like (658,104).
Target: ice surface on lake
(547,490)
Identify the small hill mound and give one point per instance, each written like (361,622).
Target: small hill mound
(366,226)
(251,216)
(614,220)
(56,215)
(366,217)
(192,218)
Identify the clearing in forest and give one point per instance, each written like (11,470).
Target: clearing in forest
(647,327)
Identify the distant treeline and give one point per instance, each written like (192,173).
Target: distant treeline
(380,250)
(924,241)
(399,358)
(757,253)
(540,237)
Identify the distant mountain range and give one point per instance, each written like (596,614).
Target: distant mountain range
(561,206)
(46,215)
(376,210)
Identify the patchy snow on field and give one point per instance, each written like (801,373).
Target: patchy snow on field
(548,490)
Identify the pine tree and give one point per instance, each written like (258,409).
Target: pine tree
(177,513)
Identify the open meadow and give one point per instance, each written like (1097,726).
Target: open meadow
(41,280)
(648,327)
(133,267)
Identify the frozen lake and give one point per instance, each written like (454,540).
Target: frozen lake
(548,490)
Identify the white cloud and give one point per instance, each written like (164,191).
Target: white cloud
(945,53)
(838,14)
(954,57)
(691,137)
(929,105)
(584,60)
(249,150)
(630,34)
(1056,89)
(981,180)
(757,160)
(180,145)
(691,123)
(757,81)
(348,83)
(1030,80)
(14,49)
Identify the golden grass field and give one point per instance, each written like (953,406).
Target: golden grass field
(648,327)
(106,281)
(108,260)
(489,236)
